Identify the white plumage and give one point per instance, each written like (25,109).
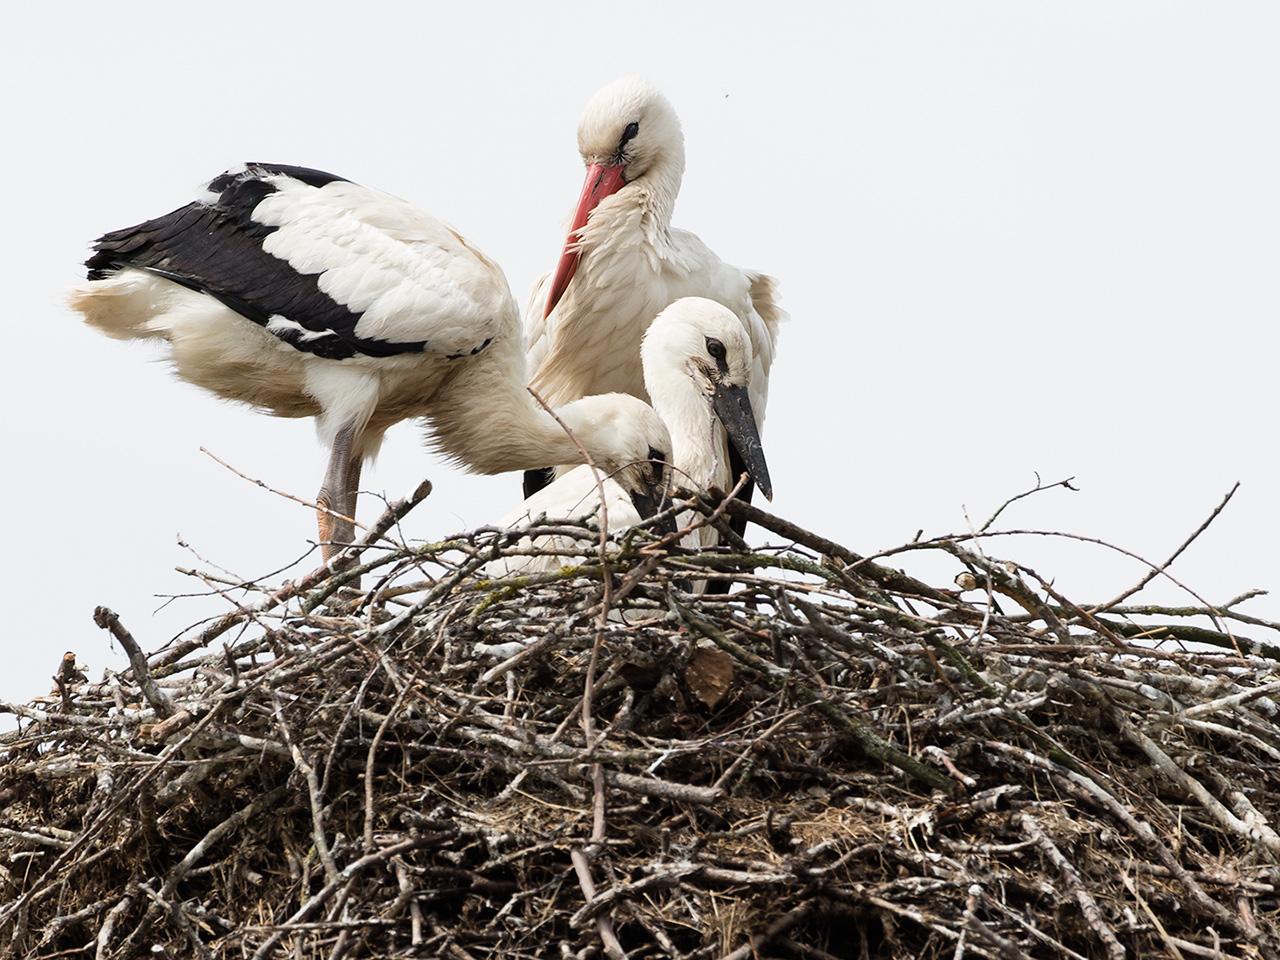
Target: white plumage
(698,366)
(624,262)
(409,276)
(303,294)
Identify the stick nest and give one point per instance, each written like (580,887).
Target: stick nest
(835,760)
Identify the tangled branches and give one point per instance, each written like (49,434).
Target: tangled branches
(836,760)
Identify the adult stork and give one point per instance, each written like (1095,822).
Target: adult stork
(623,262)
(698,366)
(304,294)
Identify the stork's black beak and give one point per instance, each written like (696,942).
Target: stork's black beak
(733,407)
(650,501)
(644,503)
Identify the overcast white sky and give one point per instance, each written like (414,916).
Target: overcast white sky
(1012,237)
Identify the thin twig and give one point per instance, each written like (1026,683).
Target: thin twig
(280,493)
(1156,571)
(1065,484)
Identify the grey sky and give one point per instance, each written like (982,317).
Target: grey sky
(1012,237)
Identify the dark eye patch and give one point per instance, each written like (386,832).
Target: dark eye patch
(716,349)
(657,458)
(628,134)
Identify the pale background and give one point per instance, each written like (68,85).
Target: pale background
(1012,237)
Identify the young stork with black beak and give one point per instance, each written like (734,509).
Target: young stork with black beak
(623,263)
(303,294)
(698,366)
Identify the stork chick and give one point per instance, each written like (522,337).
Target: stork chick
(697,368)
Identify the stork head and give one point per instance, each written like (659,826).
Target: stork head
(697,352)
(627,441)
(628,131)
(631,126)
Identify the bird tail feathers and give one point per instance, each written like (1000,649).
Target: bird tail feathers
(764,297)
(128,305)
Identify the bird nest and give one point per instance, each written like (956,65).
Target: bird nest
(834,760)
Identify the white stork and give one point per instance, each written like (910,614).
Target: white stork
(698,367)
(623,262)
(303,294)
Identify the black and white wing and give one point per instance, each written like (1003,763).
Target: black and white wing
(330,267)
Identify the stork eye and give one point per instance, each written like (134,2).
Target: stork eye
(628,133)
(716,349)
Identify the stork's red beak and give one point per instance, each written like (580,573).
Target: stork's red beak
(601,182)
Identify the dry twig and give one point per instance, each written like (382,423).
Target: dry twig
(889,770)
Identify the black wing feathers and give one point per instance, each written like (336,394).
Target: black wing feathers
(216,248)
(535,480)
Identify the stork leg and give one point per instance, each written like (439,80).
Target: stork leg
(337,494)
(353,486)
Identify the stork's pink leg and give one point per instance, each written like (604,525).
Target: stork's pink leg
(336,499)
(353,485)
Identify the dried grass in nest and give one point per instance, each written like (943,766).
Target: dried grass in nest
(836,761)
